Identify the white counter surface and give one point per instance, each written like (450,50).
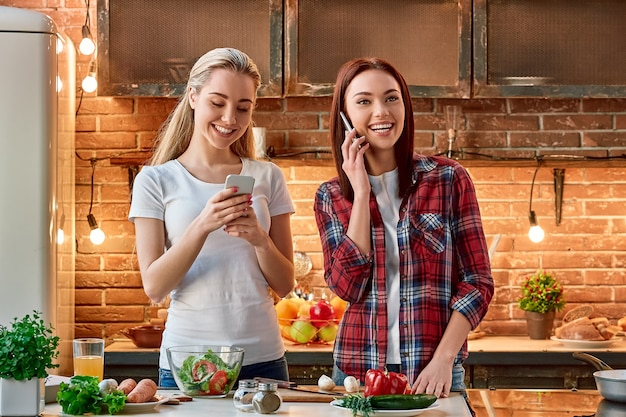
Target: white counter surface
(454,406)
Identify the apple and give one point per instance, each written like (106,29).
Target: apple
(302,331)
(327,333)
(321,313)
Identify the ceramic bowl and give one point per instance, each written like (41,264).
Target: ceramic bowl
(146,336)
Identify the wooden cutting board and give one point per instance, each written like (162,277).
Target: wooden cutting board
(312,395)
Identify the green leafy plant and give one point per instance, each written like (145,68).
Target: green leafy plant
(28,348)
(541,292)
(84,395)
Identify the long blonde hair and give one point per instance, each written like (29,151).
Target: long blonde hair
(175,134)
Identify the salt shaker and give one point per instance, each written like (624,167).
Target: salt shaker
(244,394)
(267,400)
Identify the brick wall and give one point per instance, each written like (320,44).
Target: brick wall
(587,251)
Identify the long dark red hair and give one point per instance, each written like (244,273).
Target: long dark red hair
(404,147)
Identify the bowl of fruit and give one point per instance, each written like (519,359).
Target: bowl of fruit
(205,371)
(302,321)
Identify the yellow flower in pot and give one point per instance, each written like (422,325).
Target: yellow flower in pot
(542,297)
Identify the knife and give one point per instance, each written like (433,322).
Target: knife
(294,387)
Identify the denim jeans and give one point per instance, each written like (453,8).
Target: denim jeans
(276,369)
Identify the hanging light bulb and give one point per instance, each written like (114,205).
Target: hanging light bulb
(60,232)
(535,233)
(90,83)
(96,235)
(87,46)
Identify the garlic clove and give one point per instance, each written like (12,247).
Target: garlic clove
(351,384)
(325,383)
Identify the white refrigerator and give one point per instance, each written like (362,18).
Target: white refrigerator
(37,238)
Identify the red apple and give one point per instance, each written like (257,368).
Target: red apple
(321,313)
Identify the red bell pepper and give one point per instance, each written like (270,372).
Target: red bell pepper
(379,382)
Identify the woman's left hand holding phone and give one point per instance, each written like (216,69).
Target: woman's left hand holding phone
(353,150)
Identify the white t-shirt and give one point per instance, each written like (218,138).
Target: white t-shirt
(224,298)
(385,188)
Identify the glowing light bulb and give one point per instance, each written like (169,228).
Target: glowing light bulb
(89,84)
(536,234)
(86,46)
(97,236)
(60,236)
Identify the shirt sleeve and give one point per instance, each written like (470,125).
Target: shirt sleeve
(147,196)
(475,284)
(346,270)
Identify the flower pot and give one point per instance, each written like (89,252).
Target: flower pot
(539,324)
(20,398)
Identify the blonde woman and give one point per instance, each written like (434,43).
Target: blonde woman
(215,253)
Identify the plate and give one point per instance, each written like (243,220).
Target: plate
(586,344)
(389,413)
(135,408)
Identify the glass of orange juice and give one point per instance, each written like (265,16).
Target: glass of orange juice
(89,357)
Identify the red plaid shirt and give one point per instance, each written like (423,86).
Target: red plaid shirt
(444,267)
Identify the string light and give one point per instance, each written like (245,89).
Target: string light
(90,83)
(535,233)
(96,235)
(87,45)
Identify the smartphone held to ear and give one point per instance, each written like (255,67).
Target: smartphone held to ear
(346,122)
(244,183)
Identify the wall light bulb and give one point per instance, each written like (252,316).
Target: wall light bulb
(89,84)
(535,233)
(86,46)
(96,235)
(60,236)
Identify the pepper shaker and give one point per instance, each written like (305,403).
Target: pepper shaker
(267,400)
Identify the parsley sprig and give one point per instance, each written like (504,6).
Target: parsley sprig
(82,395)
(357,403)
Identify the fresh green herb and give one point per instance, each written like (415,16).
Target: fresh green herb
(28,348)
(82,395)
(357,403)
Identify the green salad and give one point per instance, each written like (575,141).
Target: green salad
(207,374)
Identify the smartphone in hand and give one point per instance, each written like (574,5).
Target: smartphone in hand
(244,183)
(346,122)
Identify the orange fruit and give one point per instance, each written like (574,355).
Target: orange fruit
(286,310)
(339,305)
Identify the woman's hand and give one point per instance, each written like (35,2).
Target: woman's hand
(247,227)
(223,208)
(353,151)
(436,378)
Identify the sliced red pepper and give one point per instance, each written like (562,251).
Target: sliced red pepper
(378,382)
(202,369)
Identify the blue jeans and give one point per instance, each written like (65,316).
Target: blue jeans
(276,369)
(458,376)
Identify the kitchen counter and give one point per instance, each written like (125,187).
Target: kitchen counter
(494,361)
(454,406)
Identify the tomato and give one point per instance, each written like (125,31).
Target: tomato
(218,382)
(321,313)
(379,382)
(202,369)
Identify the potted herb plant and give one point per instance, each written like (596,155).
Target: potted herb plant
(27,350)
(542,297)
